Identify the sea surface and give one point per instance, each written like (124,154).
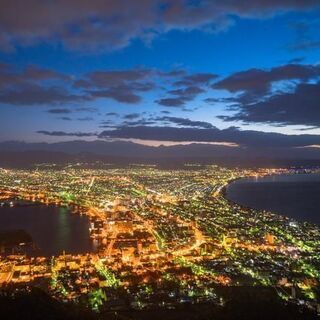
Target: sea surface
(53,229)
(296,196)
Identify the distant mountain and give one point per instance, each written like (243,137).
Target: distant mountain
(120,148)
(14,153)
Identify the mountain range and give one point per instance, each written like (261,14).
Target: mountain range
(20,154)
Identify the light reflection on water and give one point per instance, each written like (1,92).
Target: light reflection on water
(53,229)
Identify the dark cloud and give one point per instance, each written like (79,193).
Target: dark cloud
(59,110)
(171,102)
(87,109)
(140,122)
(85,119)
(186,92)
(37,95)
(33,72)
(257,100)
(106,124)
(109,24)
(66,134)
(112,114)
(65,118)
(185,122)
(232,135)
(33,85)
(10,77)
(226,100)
(212,100)
(300,107)
(131,116)
(182,96)
(120,94)
(41,86)
(296,60)
(173,73)
(258,81)
(190,87)
(122,86)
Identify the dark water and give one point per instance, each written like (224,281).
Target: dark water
(52,228)
(296,196)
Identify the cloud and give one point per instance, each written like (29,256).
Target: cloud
(35,73)
(36,86)
(300,107)
(10,77)
(108,24)
(66,134)
(178,101)
(33,85)
(188,92)
(173,73)
(37,95)
(106,124)
(85,119)
(140,122)
(258,97)
(182,96)
(190,87)
(132,120)
(112,114)
(87,109)
(185,122)
(131,116)
(296,60)
(123,86)
(258,81)
(120,94)
(65,118)
(245,138)
(226,100)
(59,111)
(171,102)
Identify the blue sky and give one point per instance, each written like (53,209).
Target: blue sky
(267,38)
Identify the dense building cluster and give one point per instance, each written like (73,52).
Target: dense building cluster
(163,237)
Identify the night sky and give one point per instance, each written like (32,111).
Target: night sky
(179,70)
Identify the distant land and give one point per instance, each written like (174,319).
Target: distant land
(21,154)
